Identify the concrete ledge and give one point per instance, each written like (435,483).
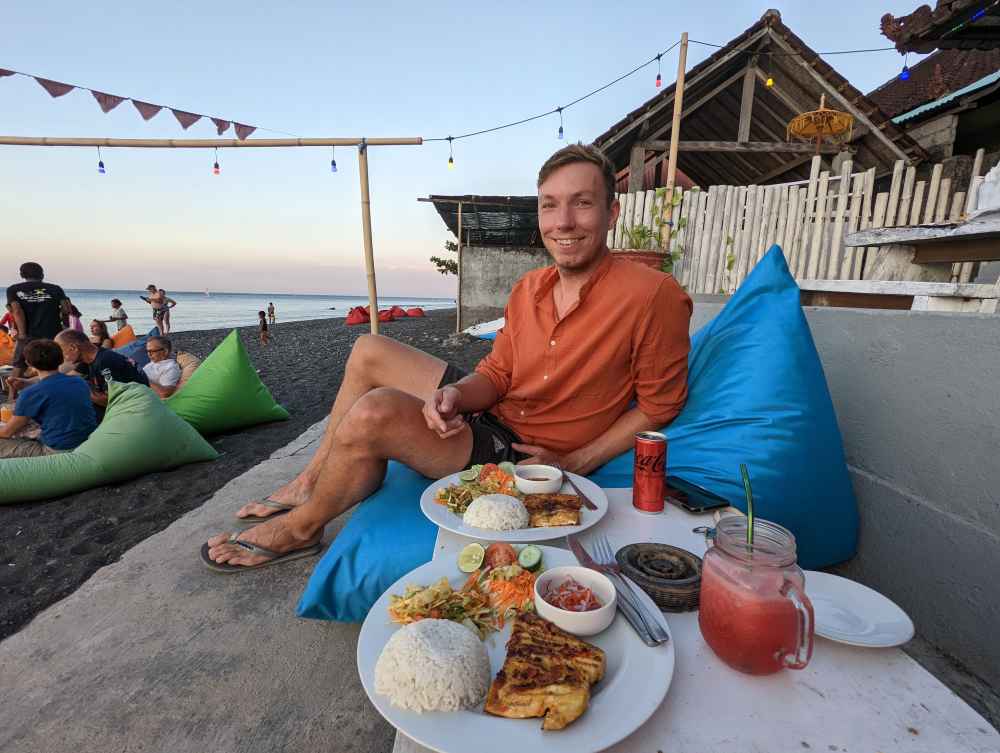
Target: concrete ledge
(158,653)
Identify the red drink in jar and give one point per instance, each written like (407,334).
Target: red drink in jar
(649,471)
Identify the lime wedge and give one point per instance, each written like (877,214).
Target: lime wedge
(507,467)
(471,557)
(468,475)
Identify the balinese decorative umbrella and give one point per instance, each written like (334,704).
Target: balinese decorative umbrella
(822,124)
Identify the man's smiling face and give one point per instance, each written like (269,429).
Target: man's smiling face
(574,216)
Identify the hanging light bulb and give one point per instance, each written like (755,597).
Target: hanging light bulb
(659,78)
(904,75)
(769,83)
(100,163)
(215,166)
(333,160)
(561,133)
(451,156)
(770,79)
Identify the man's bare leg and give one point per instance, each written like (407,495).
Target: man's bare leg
(385,423)
(374,362)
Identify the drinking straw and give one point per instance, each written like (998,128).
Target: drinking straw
(749,497)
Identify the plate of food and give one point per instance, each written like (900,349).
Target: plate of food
(487,502)
(455,660)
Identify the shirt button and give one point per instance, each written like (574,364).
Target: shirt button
(545,377)
(522,413)
(552,342)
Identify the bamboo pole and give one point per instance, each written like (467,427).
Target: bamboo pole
(678,107)
(366,225)
(458,300)
(202,143)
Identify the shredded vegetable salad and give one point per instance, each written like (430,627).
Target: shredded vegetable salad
(475,482)
(486,600)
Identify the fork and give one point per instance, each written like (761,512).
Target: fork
(605,557)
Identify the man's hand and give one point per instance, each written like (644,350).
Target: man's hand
(99,398)
(541,456)
(441,412)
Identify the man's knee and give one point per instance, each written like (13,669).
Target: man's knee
(371,418)
(367,352)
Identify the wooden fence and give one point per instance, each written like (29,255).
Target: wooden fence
(717,235)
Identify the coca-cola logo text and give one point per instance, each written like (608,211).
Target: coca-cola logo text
(651,463)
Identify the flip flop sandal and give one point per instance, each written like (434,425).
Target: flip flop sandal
(273,558)
(252,520)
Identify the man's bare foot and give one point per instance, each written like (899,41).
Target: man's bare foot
(287,495)
(275,535)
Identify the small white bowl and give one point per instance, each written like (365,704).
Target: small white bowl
(577,623)
(525,475)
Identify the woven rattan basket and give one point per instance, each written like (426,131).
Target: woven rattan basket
(670,575)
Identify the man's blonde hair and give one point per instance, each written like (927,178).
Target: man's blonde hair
(573,153)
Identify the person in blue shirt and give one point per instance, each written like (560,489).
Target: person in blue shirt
(96,364)
(60,403)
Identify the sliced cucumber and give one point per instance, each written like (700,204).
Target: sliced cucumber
(471,557)
(530,558)
(507,467)
(470,474)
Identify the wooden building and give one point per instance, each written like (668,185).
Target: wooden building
(737,104)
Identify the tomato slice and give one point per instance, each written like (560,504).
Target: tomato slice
(488,470)
(500,555)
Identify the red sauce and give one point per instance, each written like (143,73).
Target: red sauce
(572,596)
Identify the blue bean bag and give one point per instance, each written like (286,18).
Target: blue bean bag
(757,395)
(135,350)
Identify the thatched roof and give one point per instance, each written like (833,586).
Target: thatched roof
(712,102)
(491,220)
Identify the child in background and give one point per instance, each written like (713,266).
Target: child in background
(74,318)
(265,336)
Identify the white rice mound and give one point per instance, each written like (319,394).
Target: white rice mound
(433,665)
(497,512)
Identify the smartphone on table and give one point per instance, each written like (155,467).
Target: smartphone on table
(691,497)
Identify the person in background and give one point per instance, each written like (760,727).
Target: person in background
(265,336)
(270,313)
(156,302)
(60,403)
(74,317)
(118,315)
(168,303)
(40,309)
(7,320)
(95,364)
(162,371)
(99,334)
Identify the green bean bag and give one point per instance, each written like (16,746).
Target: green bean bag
(138,435)
(225,393)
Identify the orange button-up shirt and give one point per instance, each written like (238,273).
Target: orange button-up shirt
(564,382)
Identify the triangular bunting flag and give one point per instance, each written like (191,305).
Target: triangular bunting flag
(242,131)
(5,72)
(186,119)
(221,126)
(108,102)
(54,88)
(145,109)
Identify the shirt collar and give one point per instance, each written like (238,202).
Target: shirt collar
(551,277)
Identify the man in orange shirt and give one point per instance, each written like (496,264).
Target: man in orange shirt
(594,349)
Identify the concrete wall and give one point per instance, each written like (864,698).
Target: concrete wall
(488,274)
(919,409)
(937,136)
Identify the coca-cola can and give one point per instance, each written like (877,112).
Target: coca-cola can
(649,471)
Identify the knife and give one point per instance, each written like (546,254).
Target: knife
(624,605)
(584,498)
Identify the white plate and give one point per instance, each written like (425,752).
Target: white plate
(441,516)
(634,684)
(848,612)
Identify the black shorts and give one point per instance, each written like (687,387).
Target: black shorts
(491,438)
(19,362)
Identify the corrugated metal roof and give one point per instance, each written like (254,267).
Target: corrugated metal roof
(974,86)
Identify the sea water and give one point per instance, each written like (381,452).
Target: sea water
(217,310)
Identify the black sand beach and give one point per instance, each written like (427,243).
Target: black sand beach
(48,549)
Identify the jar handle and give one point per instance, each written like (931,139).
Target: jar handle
(804,609)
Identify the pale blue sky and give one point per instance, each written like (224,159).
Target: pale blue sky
(278,220)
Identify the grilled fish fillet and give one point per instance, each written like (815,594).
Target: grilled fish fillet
(545,510)
(547,673)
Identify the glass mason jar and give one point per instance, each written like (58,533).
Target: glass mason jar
(754,612)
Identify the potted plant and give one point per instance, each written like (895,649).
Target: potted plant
(655,245)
